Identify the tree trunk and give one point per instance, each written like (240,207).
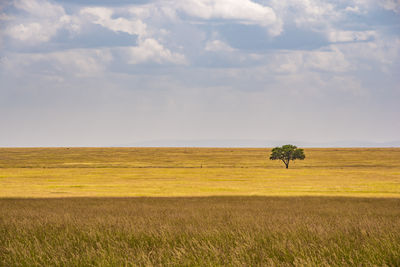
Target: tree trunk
(286,163)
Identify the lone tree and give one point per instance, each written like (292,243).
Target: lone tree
(287,153)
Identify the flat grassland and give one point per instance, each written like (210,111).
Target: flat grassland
(198,207)
(200,231)
(63,172)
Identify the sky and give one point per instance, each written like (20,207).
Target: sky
(199,72)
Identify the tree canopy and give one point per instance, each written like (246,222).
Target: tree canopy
(287,153)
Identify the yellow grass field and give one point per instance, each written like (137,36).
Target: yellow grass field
(198,207)
(123,172)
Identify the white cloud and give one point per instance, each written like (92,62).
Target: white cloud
(243,11)
(354,9)
(330,61)
(365,6)
(44,19)
(40,8)
(286,62)
(314,9)
(306,13)
(85,62)
(150,50)
(217,45)
(229,9)
(41,20)
(158,10)
(103,17)
(77,62)
(40,23)
(35,32)
(304,61)
(339,58)
(350,36)
(382,53)
(393,5)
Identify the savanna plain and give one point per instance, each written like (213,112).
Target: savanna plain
(198,207)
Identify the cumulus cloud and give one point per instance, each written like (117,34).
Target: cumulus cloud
(238,59)
(242,11)
(338,58)
(103,17)
(40,22)
(35,32)
(40,8)
(365,6)
(306,13)
(150,50)
(353,9)
(217,45)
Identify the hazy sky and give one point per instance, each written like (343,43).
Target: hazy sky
(99,73)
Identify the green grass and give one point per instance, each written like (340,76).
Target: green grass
(62,172)
(203,231)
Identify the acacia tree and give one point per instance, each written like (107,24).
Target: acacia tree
(287,153)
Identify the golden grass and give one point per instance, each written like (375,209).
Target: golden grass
(55,208)
(203,231)
(63,172)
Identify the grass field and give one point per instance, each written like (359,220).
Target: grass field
(62,172)
(201,207)
(211,231)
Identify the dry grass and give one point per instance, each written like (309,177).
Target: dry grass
(210,231)
(62,172)
(237,230)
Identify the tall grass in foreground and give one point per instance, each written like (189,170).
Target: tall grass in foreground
(213,231)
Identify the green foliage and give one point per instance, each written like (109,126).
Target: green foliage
(287,153)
